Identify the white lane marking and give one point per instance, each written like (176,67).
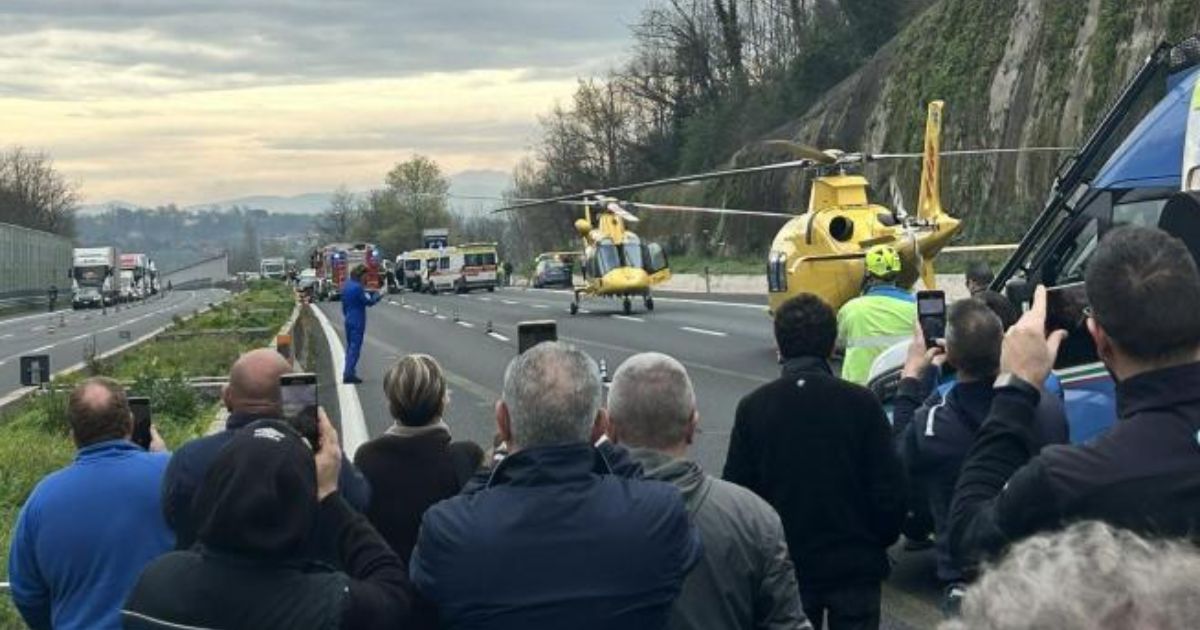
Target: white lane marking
(496,335)
(36,328)
(42,349)
(79,337)
(702,331)
(510,302)
(441,317)
(585,311)
(393,302)
(466,324)
(680,300)
(354,424)
(540,306)
(483,299)
(628,318)
(6,336)
(423,312)
(410,307)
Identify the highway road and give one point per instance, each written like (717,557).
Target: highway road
(725,342)
(65,334)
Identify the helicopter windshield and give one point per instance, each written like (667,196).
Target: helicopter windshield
(607,256)
(632,251)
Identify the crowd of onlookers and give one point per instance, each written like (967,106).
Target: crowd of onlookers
(587,511)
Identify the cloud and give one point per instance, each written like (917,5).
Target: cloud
(157,101)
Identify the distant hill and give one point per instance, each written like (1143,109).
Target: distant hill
(473,183)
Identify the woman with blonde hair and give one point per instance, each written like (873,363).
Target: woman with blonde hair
(414,464)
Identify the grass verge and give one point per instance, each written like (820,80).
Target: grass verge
(34,439)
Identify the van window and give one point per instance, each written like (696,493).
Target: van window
(444,262)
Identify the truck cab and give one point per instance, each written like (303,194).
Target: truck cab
(1129,171)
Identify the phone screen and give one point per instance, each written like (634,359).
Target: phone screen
(299,398)
(530,334)
(931,313)
(140,406)
(1065,311)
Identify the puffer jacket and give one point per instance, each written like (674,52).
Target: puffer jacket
(745,579)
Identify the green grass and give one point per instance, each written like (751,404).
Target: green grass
(34,440)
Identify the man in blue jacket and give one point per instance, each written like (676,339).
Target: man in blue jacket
(555,539)
(88,530)
(935,427)
(355,300)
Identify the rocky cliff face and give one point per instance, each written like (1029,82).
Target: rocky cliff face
(1012,72)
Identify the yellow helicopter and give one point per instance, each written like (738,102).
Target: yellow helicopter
(616,263)
(822,250)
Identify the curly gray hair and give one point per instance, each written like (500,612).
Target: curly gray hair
(1087,576)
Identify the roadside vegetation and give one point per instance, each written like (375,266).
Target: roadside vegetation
(34,437)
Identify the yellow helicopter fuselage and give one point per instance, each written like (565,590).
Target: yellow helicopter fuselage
(821,251)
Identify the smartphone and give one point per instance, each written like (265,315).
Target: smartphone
(1065,310)
(530,334)
(299,397)
(931,313)
(140,406)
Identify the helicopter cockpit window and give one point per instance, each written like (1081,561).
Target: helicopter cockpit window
(632,251)
(607,257)
(1144,213)
(655,257)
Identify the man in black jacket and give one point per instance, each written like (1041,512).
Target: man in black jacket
(819,450)
(256,511)
(1144,473)
(935,427)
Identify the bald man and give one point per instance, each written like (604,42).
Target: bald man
(252,394)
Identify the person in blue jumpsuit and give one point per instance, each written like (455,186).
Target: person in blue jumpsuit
(355,300)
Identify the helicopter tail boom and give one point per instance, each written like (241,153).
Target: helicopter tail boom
(929,204)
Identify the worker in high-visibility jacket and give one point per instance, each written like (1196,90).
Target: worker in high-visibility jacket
(879,318)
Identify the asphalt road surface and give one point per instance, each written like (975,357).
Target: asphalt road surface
(724,341)
(66,334)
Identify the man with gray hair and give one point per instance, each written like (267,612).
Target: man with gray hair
(1089,576)
(745,579)
(554,539)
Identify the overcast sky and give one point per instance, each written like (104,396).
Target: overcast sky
(153,101)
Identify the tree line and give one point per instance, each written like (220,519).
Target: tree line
(34,194)
(703,78)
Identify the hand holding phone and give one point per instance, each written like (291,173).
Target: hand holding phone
(530,334)
(298,393)
(931,314)
(140,407)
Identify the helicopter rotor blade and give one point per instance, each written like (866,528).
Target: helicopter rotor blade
(954,152)
(705,210)
(681,179)
(801,151)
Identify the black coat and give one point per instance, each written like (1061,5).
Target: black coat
(209,589)
(819,450)
(1143,474)
(409,474)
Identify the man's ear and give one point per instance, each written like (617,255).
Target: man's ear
(504,423)
(1104,345)
(225,398)
(693,426)
(601,426)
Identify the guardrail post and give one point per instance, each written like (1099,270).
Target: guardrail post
(707,289)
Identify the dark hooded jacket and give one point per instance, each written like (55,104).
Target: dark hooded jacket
(556,540)
(934,436)
(745,579)
(257,510)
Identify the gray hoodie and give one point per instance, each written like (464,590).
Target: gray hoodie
(745,579)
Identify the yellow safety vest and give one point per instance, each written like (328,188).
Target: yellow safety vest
(872,323)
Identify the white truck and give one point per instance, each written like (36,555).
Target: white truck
(135,277)
(273,268)
(95,274)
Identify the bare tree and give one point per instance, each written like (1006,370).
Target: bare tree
(337,221)
(33,194)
